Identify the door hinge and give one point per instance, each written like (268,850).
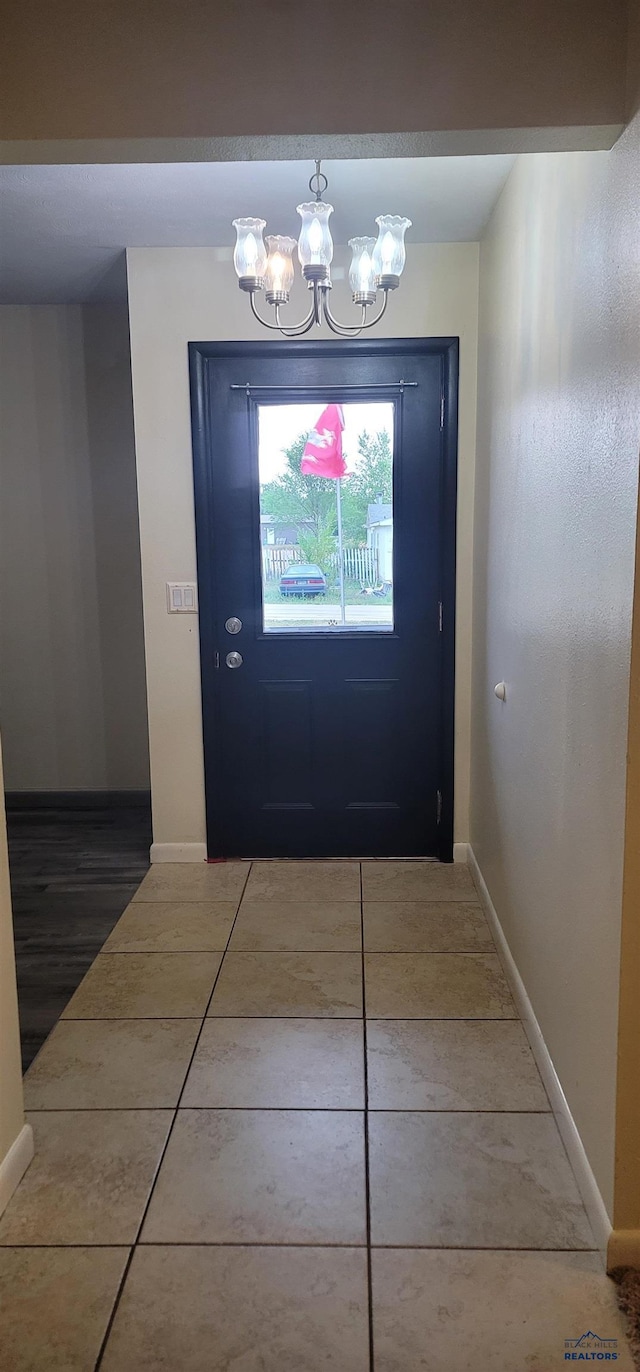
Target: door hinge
(440,615)
(438,806)
(216,661)
(442,410)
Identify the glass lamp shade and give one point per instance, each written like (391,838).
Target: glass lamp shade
(362,275)
(279,270)
(250,254)
(389,254)
(315,244)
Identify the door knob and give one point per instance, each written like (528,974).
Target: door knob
(234,659)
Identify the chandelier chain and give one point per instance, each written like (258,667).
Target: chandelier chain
(316,185)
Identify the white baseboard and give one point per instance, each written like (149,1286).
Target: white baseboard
(178,852)
(586,1182)
(461,852)
(14,1166)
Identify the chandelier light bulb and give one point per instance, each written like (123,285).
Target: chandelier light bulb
(389,254)
(279,269)
(366,271)
(315,239)
(276,269)
(315,244)
(250,254)
(362,276)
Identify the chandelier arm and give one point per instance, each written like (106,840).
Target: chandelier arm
(314,315)
(344,330)
(378,317)
(296,330)
(265,322)
(353,330)
(278,328)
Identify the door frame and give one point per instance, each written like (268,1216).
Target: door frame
(203,443)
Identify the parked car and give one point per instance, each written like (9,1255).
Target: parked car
(303,579)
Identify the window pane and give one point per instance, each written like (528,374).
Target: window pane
(326,540)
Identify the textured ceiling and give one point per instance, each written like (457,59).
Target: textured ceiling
(63,228)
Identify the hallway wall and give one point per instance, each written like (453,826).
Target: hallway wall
(556,489)
(72,693)
(116,546)
(182,294)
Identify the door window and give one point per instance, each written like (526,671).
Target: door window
(326,516)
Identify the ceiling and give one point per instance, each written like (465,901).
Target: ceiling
(63,228)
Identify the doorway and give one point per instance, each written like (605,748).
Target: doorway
(327,606)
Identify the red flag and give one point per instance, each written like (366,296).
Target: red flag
(322,454)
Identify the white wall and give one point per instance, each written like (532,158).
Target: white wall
(556,486)
(116,546)
(50,693)
(72,699)
(182,294)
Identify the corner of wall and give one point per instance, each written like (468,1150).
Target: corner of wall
(627,1156)
(16,1138)
(576,1153)
(14,1165)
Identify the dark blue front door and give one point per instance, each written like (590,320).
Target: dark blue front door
(326,610)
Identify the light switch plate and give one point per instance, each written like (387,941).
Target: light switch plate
(182,598)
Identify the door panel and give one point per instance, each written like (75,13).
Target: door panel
(334,736)
(374,777)
(288,772)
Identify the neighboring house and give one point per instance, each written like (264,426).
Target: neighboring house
(274,534)
(380,537)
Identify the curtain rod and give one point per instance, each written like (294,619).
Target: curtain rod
(248,387)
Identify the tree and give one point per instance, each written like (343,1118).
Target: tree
(371,481)
(320,548)
(294,498)
(309,502)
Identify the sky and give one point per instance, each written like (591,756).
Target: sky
(280,425)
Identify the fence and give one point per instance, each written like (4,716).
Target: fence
(360,564)
(276,560)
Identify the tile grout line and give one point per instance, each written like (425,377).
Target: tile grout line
(206,1012)
(121,1286)
(325,1019)
(287,952)
(263,1243)
(367,1191)
(268,1109)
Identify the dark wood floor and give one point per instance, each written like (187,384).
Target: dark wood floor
(72,874)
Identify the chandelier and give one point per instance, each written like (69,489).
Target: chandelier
(376,265)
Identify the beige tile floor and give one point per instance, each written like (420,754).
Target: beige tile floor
(239,1171)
